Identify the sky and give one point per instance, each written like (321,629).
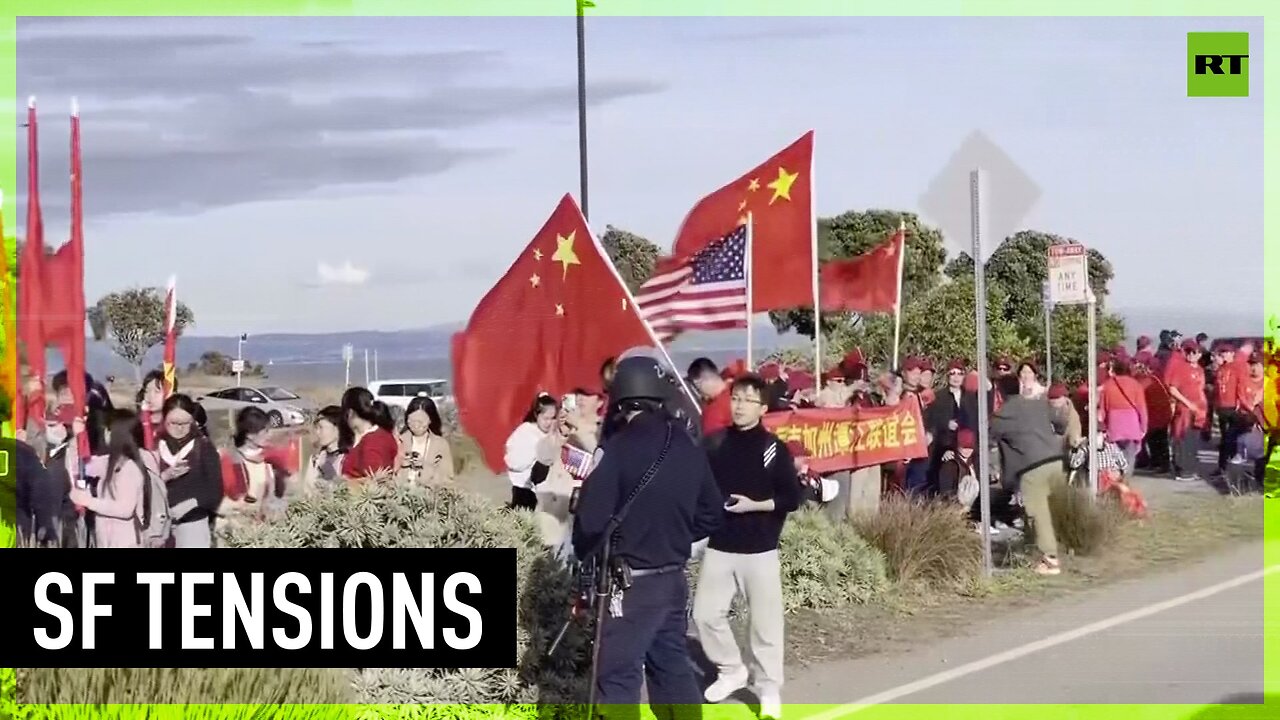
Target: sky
(332,174)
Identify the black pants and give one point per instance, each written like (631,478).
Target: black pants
(648,644)
(523,498)
(1229,427)
(1157,449)
(1185,462)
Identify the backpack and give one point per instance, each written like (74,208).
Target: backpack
(156,524)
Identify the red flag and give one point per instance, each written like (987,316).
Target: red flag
(779,196)
(64,307)
(869,283)
(9,368)
(171,337)
(548,325)
(31,283)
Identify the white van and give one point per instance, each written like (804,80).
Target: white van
(397,393)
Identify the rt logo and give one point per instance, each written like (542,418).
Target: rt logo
(1217,64)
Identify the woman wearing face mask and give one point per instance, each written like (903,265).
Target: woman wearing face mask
(374,449)
(192,472)
(253,485)
(332,439)
(45,509)
(117,504)
(522,451)
(424,453)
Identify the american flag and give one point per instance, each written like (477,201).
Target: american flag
(707,291)
(577,461)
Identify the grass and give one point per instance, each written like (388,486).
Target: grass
(924,541)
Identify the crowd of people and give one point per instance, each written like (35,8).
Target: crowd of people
(154,465)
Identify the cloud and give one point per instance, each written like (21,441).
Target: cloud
(344,274)
(183,123)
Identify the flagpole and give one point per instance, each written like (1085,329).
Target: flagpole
(897,308)
(750,302)
(813,242)
(582,104)
(631,303)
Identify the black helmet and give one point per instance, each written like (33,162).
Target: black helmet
(639,378)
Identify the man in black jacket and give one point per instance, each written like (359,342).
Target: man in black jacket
(679,506)
(756,473)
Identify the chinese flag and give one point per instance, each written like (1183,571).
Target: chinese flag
(867,283)
(778,194)
(171,337)
(548,325)
(31,285)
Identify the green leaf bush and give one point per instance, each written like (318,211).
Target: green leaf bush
(380,514)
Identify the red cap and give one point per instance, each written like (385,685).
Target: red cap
(1104,357)
(1190,345)
(799,381)
(1144,342)
(854,357)
(770,371)
(1226,346)
(797,449)
(956,364)
(965,439)
(1144,358)
(927,364)
(1255,358)
(1057,390)
(738,367)
(912,363)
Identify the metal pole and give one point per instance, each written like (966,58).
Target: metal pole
(375,363)
(980,308)
(750,288)
(582,107)
(239,358)
(366,367)
(1093,394)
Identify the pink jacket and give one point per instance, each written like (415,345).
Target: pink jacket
(115,511)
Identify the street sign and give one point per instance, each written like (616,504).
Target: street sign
(1068,274)
(237,366)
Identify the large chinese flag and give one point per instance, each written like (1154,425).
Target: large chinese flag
(8,371)
(31,284)
(868,283)
(778,195)
(558,313)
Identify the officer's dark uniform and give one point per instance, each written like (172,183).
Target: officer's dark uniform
(680,506)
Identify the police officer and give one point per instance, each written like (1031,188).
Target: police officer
(677,400)
(644,629)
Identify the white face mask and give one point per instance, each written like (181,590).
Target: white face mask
(55,434)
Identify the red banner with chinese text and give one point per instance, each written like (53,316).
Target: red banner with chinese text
(848,438)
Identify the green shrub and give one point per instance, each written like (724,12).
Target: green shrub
(924,540)
(1083,527)
(383,515)
(827,565)
(106,686)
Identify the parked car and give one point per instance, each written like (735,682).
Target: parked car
(283,408)
(397,393)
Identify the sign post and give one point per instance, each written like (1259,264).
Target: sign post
(984,425)
(238,365)
(1047,304)
(1069,285)
(1093,395)
(348,352)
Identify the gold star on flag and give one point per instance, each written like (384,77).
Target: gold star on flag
(559,310)
(537,254)
(534,280)
(754,185)
(742,206)
(564,253)
(782,186)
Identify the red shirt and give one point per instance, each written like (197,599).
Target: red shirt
(374,452)
(1188,379)
(716,415)
(1159,407)
(1226,386)
(1250,393)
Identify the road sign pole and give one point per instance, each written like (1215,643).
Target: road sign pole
(1093,395)
(239,359)
(980,308)
(1047,304)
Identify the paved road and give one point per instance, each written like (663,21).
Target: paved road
(1199,652)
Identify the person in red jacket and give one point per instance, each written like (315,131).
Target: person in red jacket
(375,447)
(1184,377)
(1159,414)
(1226,391)
(714,389)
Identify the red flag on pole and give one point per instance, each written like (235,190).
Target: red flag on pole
(779,196)
(31,284)
(8,371)
(548,325)
(171,337)
(868,283)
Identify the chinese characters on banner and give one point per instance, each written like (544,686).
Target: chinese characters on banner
(848,438)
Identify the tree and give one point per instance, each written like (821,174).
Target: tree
(855,232)
(940,325)
(634,256)
(133,319)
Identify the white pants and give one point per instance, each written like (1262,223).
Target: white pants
(194,534)
(759,578)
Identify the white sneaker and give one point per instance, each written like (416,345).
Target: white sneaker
(770,704)
(724,686)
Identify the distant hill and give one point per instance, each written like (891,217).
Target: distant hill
(433,342)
